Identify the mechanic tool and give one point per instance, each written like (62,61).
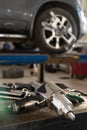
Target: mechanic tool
(18,91)
(71,91)
(4,86)
(36,95)
(73,100)
(19,105)
(73,95)
(18,86)
(31,101)
(78,98)
(58,99)
(15,94)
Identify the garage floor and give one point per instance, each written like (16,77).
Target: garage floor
(58,77)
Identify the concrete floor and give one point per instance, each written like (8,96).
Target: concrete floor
(58,77)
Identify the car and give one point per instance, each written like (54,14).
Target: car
(53,26)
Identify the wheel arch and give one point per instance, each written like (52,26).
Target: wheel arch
(47,5)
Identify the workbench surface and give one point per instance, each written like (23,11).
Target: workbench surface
(10,121)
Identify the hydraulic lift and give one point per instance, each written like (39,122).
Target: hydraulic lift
(38,57)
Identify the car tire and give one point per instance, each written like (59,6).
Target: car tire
(42,35)
(13,73)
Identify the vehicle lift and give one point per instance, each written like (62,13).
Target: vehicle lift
(40,58)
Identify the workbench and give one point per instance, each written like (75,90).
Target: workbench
(43,119)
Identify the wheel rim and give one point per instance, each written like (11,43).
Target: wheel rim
(57,32)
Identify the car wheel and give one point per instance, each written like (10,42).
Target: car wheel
(55,30)
(24,45)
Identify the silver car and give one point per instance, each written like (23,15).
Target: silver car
(51,25)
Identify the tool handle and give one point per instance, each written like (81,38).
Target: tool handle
(20,86)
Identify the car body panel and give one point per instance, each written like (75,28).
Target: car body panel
(13,15)
(18,16)
(34,6)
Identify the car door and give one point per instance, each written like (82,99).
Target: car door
(13,16)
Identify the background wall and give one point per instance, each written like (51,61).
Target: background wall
(84,4)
